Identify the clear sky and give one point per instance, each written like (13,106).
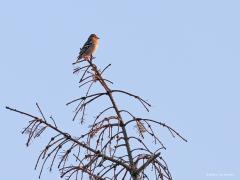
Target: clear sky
(181,55)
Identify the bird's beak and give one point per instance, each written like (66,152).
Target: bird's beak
(97,37)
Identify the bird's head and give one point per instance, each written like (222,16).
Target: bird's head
(93,36)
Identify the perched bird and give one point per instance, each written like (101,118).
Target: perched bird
(88,48)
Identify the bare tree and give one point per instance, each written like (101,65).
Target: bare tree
(110,148)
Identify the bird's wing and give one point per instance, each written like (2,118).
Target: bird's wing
(85,47)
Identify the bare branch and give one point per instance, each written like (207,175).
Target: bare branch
(98,153)
(150,160)
(105,149)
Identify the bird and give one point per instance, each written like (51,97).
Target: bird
(89,48)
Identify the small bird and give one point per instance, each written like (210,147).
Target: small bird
(88,48)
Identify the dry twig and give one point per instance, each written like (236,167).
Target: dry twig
(106,151)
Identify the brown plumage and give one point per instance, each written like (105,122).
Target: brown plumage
(89,48)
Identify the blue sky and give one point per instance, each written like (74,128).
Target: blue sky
(183,56)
